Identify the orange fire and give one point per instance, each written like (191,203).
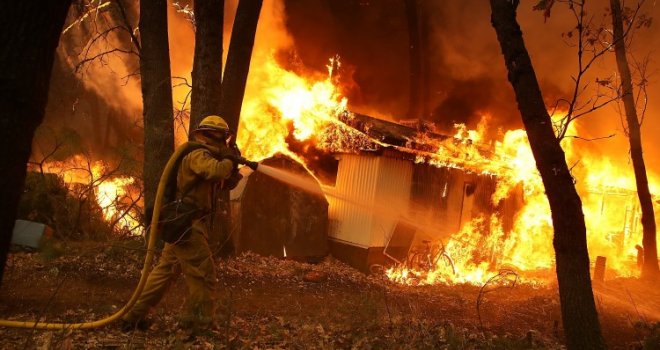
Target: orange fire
(281,105)
(288,103)
(109,194)
(311,109)
(113,194)
(609,204)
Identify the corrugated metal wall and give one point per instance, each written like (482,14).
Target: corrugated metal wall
(441,199)
(356,183)
(370,190)
(392,197)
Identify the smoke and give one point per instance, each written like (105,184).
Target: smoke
(466,72)
(94,91)
(370,39)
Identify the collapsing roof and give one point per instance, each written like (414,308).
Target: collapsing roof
(403,175)
(414,140)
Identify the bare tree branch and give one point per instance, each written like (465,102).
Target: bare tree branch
(590,139)
(127,26)
(593,40)
(102,55)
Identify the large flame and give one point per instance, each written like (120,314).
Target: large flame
(312,109)
(282,107)
(287,104)
(481,248)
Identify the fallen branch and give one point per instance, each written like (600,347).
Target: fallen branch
(504,275)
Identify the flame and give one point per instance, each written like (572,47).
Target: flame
(285,107)
(114,194)
(311,109)
(282,107)
(288,104)
(481,248)
(109,195)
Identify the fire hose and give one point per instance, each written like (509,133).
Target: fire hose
(146,268)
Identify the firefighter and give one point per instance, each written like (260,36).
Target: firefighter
(198,173)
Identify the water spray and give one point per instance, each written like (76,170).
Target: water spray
(284,176)
(309,185)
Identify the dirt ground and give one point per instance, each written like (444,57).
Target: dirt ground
(268,303)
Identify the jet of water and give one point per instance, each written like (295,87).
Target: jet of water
(309,184)
(306,184)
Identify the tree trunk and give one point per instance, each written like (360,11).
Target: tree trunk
(29,32)
(650,266)
(578,309)
(206,100)
(233,91)
(425,44)
(415,59)
(156,94)
(238,60)
(207,65)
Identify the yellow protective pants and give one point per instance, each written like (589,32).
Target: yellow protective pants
(196,261)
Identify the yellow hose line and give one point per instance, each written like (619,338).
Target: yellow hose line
(146,269)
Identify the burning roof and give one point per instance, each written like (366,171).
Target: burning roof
(415,140)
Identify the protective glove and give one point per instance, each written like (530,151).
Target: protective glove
(241,160)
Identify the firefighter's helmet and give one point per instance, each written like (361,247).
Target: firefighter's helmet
(213,123)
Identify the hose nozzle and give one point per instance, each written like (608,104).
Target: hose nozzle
(244,161)
(252,165)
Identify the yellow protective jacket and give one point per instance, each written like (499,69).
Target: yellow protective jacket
(202,171)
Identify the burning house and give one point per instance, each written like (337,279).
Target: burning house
(394,189)
(388,191)
(387,200)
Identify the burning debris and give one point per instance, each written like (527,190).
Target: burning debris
(76,193)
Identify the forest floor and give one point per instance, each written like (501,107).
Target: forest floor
(269,303)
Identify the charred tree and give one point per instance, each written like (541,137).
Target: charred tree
(650,265)
(425,42)
(578,309)
(415,59)
(206,97)
(29,31)
(156,94)
(207,64)
(238,60)
(233,86)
